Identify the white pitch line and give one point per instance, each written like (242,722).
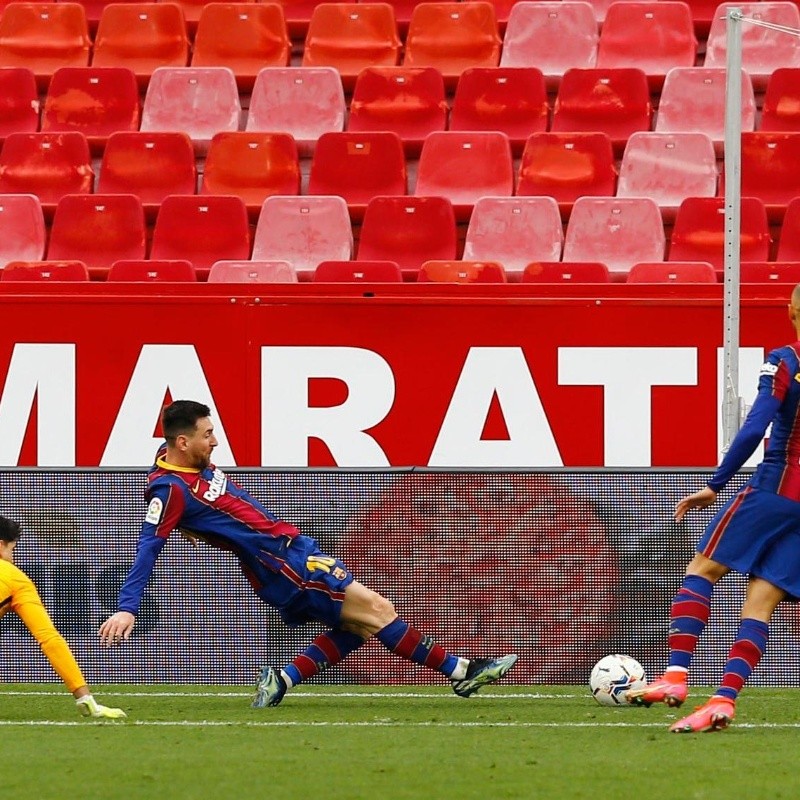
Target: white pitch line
(373,724)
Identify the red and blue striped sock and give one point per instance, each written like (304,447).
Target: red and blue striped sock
(690,611)
(326,650)
(409,643)
(744,655)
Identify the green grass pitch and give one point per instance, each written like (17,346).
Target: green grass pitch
(388,742)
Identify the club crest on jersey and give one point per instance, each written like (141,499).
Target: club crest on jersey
(154,510)
(216,486)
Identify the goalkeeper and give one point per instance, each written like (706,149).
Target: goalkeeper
(286,569)
(17,593)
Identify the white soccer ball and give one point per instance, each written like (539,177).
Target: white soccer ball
(612,676)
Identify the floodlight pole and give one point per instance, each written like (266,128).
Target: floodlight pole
(731,403)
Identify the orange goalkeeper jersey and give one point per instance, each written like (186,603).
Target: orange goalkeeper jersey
(18,594)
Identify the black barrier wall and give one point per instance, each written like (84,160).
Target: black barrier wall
(558,567)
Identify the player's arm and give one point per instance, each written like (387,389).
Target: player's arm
(163,515)
(772,386)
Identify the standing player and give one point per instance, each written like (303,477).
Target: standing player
(757,533)
(18,594)
(285,569)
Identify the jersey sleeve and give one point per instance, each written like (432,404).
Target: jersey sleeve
(773,383)
(164,512)
(25,602)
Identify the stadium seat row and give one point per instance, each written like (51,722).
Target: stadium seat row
(652,36)
(304,231)
(459,166)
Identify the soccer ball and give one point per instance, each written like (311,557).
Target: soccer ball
(612,676)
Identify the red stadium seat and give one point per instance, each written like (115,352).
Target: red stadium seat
(614,101)
(781,110)
(45,271)
(699,232)
(402,13)
(304,231)
(551,36)
(97,101)
(453,37)
(668,167)
(98,230)
(298,15)
(461,272)
(514,231)
(408,230)
(618,232)
(763,49)
(201,230)
(253,166)
(506,99)
(147,271)
(48,165)
(464,167)
(200,101)
(19,101)
(600,8)
(702,14)
(252,272)
(789,243)
(141,37)
(149,165)
(22,231)
(192,10)
(672,272)
(693,101)
(303,101)
(350,37)
(652,36)
(408,101)
(44,37)
(770,170)
(243,36)
(566,272)
(566,166)
(357,271)
(358,167)
(770,272)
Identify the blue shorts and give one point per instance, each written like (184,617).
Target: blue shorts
(310,586)
(757,533)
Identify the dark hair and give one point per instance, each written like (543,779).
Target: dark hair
(181,417)
(9,530)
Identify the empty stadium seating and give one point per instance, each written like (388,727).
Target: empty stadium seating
(22,230)
(408,230)
(769,169)
(770,272)
(514,231)
(464,167)
(358,271)
(566,272)
(461,272)
(149,165)
(668,167)
(672,272)
(45,271)
(789,243)
(409,101)
(303,231)
(507,99)
(97,101)
(253,166)
(252,272)
(303,101)
(624,231)
(781,109)
(140,270)
(19,101)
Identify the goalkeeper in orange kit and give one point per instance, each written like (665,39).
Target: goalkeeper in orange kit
(18,594)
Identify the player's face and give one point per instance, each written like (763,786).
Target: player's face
(200,444)
(7,550)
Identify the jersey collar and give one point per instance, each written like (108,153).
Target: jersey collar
(160,462)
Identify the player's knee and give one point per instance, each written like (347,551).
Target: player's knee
(383,609)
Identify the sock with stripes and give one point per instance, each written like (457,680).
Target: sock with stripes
(326,650)
(744,655)
(690,611)
(409,643)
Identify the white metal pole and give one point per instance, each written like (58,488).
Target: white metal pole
(731,404)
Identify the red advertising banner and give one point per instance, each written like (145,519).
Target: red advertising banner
(458,376)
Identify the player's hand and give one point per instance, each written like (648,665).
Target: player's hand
(705,497)
(117,628)
(89,707)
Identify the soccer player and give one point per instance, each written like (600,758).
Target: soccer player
(757,533)
(17,593)
(286,569)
